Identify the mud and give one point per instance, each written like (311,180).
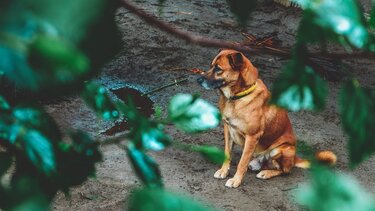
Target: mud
(152,58)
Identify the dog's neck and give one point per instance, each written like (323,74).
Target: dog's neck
(232,93)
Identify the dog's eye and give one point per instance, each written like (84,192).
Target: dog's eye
(217,69)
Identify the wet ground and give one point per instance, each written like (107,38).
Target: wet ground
(152,58)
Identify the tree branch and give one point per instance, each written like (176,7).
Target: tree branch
(216,43)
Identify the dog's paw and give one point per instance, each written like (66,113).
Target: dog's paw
(267,174)
(221,174)
(262,175)
(233,182)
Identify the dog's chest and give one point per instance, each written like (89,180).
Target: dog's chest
(231,117)
(236,125)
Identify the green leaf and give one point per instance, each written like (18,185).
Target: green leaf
(192,114)
(145,167)
(39,150)
(154,199)
(310,32)
(76,161)
(97,98)
(211,153)
(5,162)
(149,135)
(85,145)
(31,116)
(372,16)
(242,9)
(145,134)
(329,191)
(305,151)
(154,138)
(4,104)
(53,41)
(298,87)
(48,53)
(24,194)
(342,17)
(358,119)
(33,132)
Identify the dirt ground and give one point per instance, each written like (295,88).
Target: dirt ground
(151,58)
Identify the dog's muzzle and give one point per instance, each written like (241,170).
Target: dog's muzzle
(210,84)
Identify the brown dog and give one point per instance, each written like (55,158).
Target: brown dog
(264,131)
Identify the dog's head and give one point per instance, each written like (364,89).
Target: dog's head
(229,68)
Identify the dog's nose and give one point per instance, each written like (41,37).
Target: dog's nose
(200,80)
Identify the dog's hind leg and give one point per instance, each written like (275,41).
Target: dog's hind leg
(282,162)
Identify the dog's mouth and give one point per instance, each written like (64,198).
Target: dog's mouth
(211,84)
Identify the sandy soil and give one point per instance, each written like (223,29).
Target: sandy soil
(148,60)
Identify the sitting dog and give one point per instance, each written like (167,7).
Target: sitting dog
(263,131)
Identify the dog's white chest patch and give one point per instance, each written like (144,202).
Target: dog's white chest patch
(237,137)
(234,133)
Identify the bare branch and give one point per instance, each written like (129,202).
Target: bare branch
(216,43)
(189,37)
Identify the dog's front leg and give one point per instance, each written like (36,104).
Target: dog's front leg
(247,154)
(222,173)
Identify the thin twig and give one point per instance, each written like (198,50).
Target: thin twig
(216,43)
(164,86)
(177,68)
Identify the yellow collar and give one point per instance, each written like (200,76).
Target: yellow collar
(244,93)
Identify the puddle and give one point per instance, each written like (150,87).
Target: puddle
(144,105)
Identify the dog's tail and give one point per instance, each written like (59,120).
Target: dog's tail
(325,157)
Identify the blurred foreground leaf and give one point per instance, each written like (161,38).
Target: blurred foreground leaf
(97,98)
(149,135)
(46,49)
(298,87)
(311,32)
(213,154)
(305,151)
(145,167)
(39,150)
(24,194)
(5,162)
(145,134)
(56,60)
(76,161)
(329,191)
(342,17)
(192,114)
(4,104)
(358,119)
(372,16)
(242,9)
(154,199)
(32,131)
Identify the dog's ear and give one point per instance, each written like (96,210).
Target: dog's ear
(236,61)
